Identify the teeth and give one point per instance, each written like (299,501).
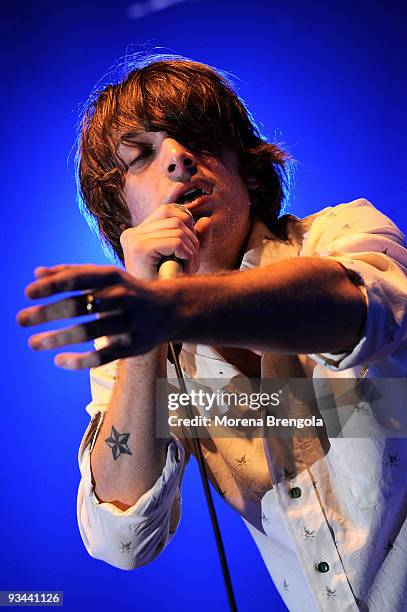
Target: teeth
(195,189)
(196,192)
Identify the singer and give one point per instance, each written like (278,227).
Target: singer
(262,295)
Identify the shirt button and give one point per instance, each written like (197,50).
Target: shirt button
(323,567)
(295,492)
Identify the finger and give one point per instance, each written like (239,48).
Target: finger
(105,326)
(172,224)
(111,298)
(119,349)
(171,247)
(62,309)
(40,271)
(176,234)
(165,211)
(204,229)
(74,278)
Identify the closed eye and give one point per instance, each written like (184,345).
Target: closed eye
(142,156)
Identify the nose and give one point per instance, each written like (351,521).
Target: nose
(178,163)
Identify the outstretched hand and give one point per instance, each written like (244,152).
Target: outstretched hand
(135,315)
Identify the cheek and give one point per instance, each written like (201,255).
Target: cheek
(138,202)
(238,197)
(232,183)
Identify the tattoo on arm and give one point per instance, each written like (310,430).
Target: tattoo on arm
(118,443)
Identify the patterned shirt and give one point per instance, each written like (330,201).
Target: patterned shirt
(328,516)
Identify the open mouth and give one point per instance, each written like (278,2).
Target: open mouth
(192,195)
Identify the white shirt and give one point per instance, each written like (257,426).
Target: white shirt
(350,514)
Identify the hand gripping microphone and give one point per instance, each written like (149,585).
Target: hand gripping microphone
(170,267)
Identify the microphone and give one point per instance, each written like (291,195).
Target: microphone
(171,266)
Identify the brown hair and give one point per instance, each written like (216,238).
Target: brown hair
(192,102)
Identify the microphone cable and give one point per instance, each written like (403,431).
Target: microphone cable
(170,267)
(205,483)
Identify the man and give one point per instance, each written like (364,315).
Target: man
(262,296)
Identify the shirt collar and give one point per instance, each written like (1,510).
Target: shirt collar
(284,240)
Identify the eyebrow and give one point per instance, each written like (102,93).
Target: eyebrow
(128,136)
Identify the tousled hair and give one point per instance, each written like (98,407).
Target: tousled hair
(195,104)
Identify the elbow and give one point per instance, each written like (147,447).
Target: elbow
(124,541)
(343,310)
(130,554)
(354,313)
(131,537)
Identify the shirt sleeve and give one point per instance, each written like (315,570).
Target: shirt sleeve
(373,251)
(136,536)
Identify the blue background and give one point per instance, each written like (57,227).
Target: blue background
(329,78)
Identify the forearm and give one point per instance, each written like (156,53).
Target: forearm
(131,410)
(304,305)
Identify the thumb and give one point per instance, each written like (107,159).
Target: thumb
(203,228)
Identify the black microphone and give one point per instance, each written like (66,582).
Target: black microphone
(171,266)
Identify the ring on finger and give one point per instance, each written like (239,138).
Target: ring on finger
(91,303)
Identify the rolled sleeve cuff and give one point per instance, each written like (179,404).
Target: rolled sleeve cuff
(382,333)
(133,537)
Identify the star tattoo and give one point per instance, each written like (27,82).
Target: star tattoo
(118,443)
